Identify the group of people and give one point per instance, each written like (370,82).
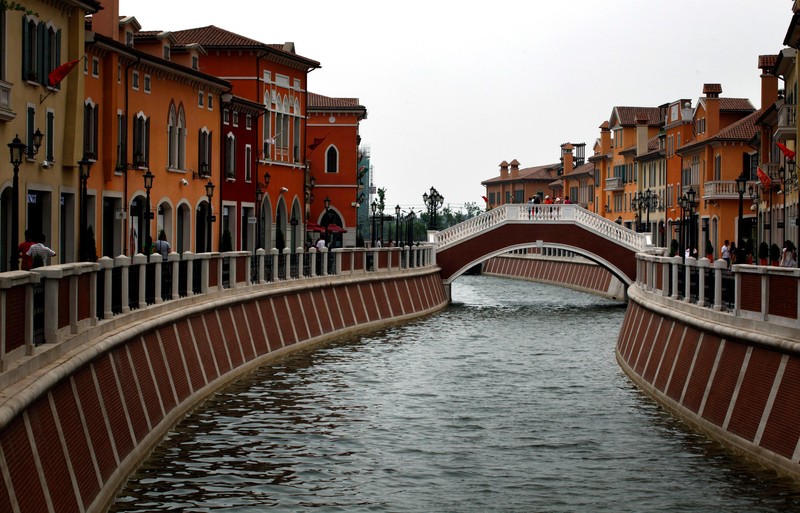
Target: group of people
(535,200)
(32,252)
(733,255)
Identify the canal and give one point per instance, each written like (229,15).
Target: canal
(509,400)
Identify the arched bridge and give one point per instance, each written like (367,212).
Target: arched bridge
(511,227)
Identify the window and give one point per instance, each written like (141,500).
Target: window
(210,102)
(235,118)
(204,155)
(176,133)
(95,67)
(141,140)
(248,163)
(129,38)
(50,132)
(226,117)
(166,52)
(147,83)
(31,121)
(248,122)
(119,73)
(135,81)
(296,145)
(267,135)
(200,97)
(41,50)
(230,157)
(121,139)
(90,129)
(718,167)
(195,62)
(331,160)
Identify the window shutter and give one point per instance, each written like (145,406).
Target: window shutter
(95,130)
(137,139)
(26,49)
(41,44)
(147,142)
(201,149)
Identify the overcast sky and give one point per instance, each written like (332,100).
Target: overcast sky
(454,88)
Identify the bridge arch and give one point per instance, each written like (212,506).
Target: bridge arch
(511,227)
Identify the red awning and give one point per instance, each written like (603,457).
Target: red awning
(335,228)
(314,227)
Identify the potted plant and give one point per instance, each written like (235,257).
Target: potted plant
(775,255)
(763,253)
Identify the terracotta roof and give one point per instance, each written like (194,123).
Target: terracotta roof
(547,172)
(319,101)
(735,104)
(712,88)
(212,36)
(584,169)
(629,115)
(744,129)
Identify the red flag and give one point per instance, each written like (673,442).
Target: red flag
(765,180)
(57,75)
(317,141)
(786,151)
(485,199)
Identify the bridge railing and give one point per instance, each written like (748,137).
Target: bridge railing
(754,292)
(51,304)
(541,214)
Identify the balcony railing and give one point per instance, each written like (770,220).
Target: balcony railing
(787,122)
(614,184)
(723,189)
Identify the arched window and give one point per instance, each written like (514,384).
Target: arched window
(176,132)
(332,160)
(230,157)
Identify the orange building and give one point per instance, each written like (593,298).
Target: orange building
(515,185)
(276,77)
(145,115)
(332,159)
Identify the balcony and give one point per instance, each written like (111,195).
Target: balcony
(787,123)
(723,190)
(6,114)
(614,184)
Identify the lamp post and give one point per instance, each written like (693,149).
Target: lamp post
(687,202)
(433,200)
(148,184)
(648,201)
(85,166)
(411,218)
(210,218)
(636,204)
(18,150)
(327,203)
(741,188)
(374,208)
(397,224)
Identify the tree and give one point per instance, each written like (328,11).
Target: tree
(472,208)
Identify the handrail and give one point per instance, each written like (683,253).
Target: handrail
(541,214)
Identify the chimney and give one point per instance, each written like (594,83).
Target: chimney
(712,92)
(605,138)
(504,169)
(642,125)
(566,158)
(769,82)
(514,168)
(106,20)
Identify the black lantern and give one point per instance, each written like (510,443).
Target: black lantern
(148,184)
(85,167)
(18,150)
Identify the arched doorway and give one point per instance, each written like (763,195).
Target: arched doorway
(183,230)
(136,236)
(333,222)
(265,221)
(201,237)
(164,222)
(280,226)
(294,234)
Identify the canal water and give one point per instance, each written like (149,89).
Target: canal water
(509,400)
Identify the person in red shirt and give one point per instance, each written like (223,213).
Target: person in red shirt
(26,260)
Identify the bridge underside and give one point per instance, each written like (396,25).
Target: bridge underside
(457,259)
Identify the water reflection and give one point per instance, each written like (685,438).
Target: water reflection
(510,400)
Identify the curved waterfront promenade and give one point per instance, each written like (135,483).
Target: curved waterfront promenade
(79,414)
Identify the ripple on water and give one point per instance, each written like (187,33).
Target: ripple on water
(509,400)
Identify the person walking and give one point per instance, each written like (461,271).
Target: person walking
(25,259)
(162,246)
(39,253)
(725,252)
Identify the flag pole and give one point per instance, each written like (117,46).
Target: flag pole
(65,69)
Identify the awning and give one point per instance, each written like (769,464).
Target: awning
(335,228)
(314,227)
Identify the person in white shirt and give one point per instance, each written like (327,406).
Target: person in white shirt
(725,252)
(320,243)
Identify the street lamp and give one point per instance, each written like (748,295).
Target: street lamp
(18,150)
(687,202)
(374,208)
(397,224)
(433,200)
(636,204)
(85,166)
(411,218)
(741,188)
(148,184)
(209,219)
(327,203)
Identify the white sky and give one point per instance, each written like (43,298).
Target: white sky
(454,88)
